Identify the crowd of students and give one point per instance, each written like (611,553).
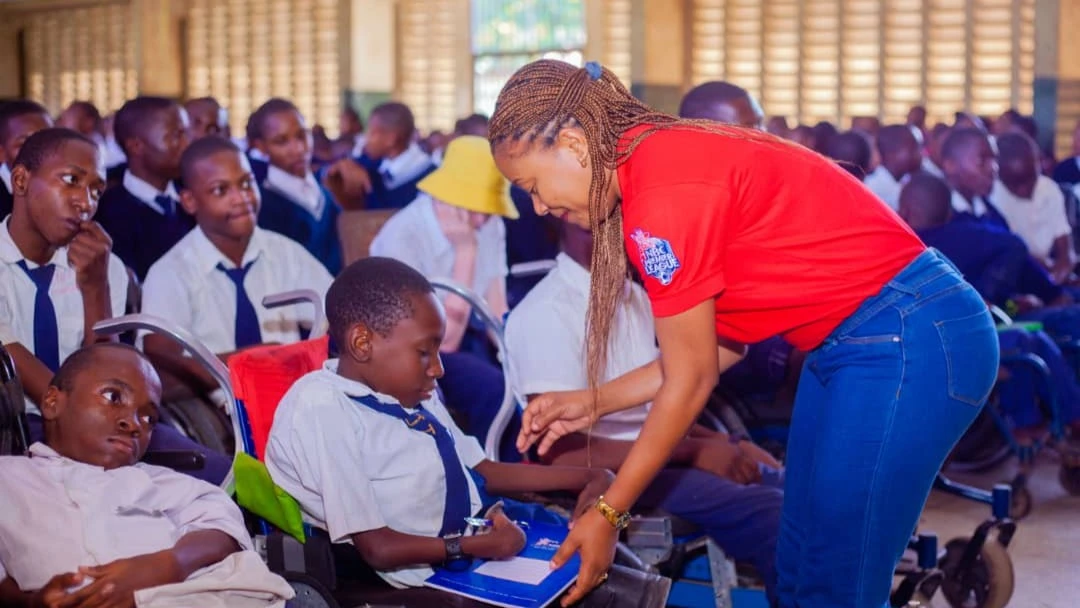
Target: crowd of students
(157,208)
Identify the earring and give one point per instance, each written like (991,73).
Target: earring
(582,161)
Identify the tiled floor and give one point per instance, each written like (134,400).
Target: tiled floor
(1046,549)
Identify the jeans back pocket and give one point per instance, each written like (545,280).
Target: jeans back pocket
(971,356)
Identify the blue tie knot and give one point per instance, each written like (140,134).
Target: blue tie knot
(167,203)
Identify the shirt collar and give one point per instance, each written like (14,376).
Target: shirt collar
(976,207)
(882,173)
(147,193)
(404,167)
(304,190)
(353,388)
(40,450)
(209,256)
(10,253)
(5,176)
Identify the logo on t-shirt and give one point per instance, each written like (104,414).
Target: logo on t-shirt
(657,259)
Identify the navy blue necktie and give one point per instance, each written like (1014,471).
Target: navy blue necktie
(168,204)
(247,322)
(46,335)
(458,504)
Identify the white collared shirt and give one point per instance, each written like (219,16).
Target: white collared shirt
(186,287)
(18,292)
(1039,220)
(5,176)
(147,193)
(114,154)
(545,340)
(304,191)
(60,514)
(404,167)
(354,469)
(886,187)
(930,167)
(413,236)
(976,207)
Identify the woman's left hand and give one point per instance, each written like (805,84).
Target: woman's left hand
(599,484)
(594,538)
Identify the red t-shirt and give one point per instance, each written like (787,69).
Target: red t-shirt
(785,242)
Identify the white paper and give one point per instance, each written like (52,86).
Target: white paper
(517,569)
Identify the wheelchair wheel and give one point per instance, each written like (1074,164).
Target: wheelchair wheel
(202,422)
(1069,476)
(1022,502)
(982,447)
(990,581)
(310,593)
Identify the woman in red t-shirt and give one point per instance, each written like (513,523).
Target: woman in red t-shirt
(740,236)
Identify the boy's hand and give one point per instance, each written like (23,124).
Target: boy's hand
(595,489)
(454,222)
(126,576)
(349,180)
(504,541)
(88,254)
(723,459)
(759,454)
(55,593)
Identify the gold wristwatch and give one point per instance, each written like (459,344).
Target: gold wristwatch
(619,519)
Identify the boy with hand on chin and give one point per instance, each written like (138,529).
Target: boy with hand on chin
(86,524)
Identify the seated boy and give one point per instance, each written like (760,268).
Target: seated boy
(293,202)
(711,481)
(371,454)
(85,523)
(454,230)
(57,275)
(143,215)
(207,118)
(1033,205)
(213,281)
(19,119)
(391,163)
(900,157)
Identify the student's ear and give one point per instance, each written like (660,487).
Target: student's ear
(187,201)
(259,145)
(20,180)
(132,146)
(52,403)
(358,342)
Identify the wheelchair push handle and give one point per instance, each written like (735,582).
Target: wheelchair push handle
(301,296)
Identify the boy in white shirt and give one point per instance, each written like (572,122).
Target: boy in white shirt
(373,457)
(712,481)
(213,281)
(85,523)
(454,230)
(19,119)
(900,157)
(1033,205)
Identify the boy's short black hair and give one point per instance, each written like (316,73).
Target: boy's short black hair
(200,149)
(256,123)
(698,103)
(16,109)
(960,140)
(850,150)
(1016,146)
(374,291)
(893,138)
(81,359)
(89,109)
(395,115)
(133,118)
(930,195)
(44,144)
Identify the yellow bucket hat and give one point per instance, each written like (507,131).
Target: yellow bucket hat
(469,179)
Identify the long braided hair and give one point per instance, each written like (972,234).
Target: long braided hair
(546,96)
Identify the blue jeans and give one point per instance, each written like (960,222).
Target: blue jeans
(880,404)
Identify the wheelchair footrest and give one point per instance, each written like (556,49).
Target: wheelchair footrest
(650,532)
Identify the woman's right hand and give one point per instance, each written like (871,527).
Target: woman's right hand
(504,541)
(552,416)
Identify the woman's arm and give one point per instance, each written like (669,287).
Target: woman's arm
(691,364)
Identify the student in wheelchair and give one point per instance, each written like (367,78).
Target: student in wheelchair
(374,459)
(727,486)
(85,523)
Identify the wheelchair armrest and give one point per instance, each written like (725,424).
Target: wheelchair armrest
(177,460)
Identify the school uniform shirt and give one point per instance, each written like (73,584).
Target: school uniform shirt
(1039,220)
(546,342)
(140,227)
(304,211)
(931,167)
(18,293)
(1068,171)
(187,288)
(882,183)
(60,514)
(394,180)
(782,240)
(7,200)
(413,236)
(354,469)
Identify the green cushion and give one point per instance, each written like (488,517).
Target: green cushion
(257,492)
(1024,325)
